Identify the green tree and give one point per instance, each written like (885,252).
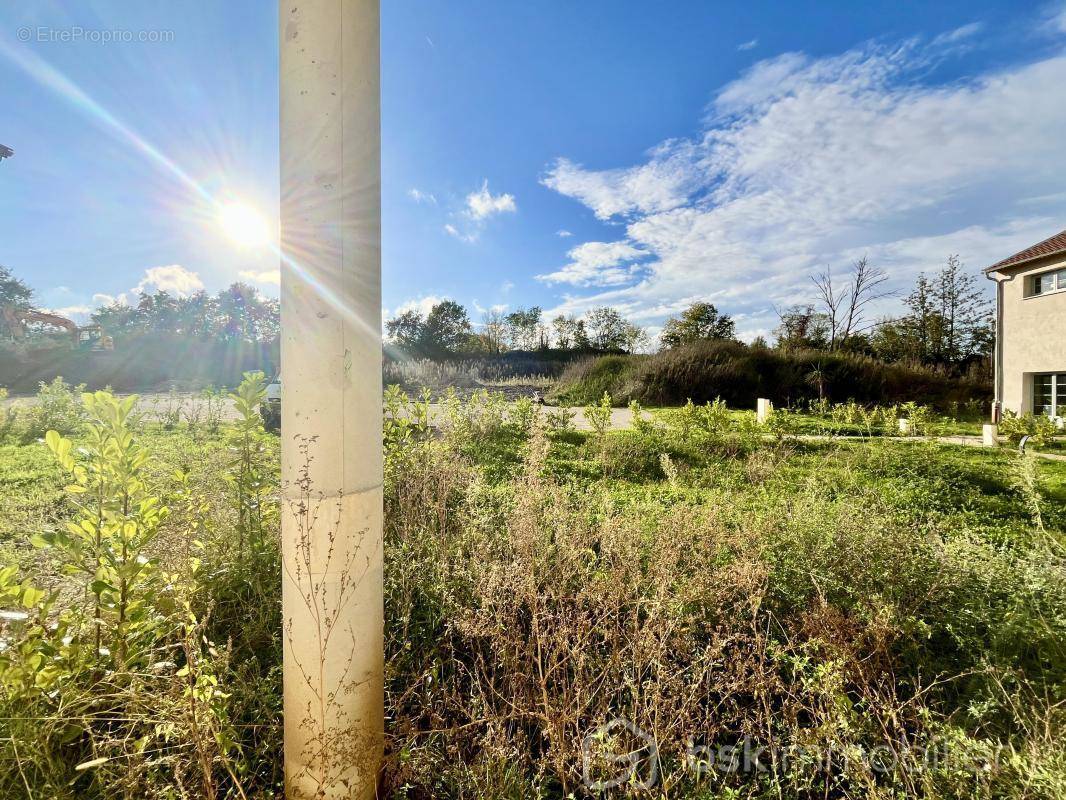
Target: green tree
(405,330)
(581,336)
(494,329)
(801,327)
(118,319)
(15,295)
(522,325)
(565,331)
(14,291)
(636,338)
(159,312)
(243,314)
(948,321)
(964,311)
(446,329)
(606,328)
(196,315)
(698,322)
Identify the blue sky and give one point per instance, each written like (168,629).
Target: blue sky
(563,154)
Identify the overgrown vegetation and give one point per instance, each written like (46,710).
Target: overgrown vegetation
(875,618)
(739,373)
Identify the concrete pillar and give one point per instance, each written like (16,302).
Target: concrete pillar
(763,409)
(989,434)
(331,397)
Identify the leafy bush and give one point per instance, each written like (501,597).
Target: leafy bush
(1038,428)
(57,407)
(120,690)
(8,417)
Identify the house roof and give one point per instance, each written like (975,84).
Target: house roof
(1049,247)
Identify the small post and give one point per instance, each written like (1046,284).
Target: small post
(904,426)
(989,434)
(763,409)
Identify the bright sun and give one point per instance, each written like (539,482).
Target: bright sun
(244,225)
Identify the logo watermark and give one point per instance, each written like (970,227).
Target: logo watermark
(77,34)
(619,754)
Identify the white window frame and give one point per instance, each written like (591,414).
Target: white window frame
(1060,282)
(1058,391)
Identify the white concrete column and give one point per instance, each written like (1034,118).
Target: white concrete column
(763,409)
(989,434)
(331,396)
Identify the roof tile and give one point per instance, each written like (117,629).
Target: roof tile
(1049,247)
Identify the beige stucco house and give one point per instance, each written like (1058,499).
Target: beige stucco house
(1030,363)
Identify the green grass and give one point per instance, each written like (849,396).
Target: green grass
(719,577)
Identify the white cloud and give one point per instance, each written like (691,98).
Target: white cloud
(596,264)
(422,197)
(423,305)
(749,45)
(663,183)
(1057,18)
(482,204)
(173,278)
(468,237)
(76,313)
(959,34)
(563,233)
(805,162)
(498,308)
(270,276)
(477,209)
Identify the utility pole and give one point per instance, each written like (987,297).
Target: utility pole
(331,389)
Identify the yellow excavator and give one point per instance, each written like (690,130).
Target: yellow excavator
(85,337)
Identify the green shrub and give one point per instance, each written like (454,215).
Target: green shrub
(586,381)
(8,418)
(57,407)
(1038,428)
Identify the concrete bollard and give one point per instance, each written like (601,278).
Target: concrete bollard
(904,426)
(989,434)
(763,409)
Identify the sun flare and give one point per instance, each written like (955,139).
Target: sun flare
(245,226)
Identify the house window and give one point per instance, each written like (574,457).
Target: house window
(1049,282)
(1049,394)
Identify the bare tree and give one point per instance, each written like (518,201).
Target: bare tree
(844,309)
(832,303)
(867,286)
(494,326)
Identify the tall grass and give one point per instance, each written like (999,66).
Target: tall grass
(555,601)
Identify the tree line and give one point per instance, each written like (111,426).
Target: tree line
(947,321)
(237,313)
(446,330)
